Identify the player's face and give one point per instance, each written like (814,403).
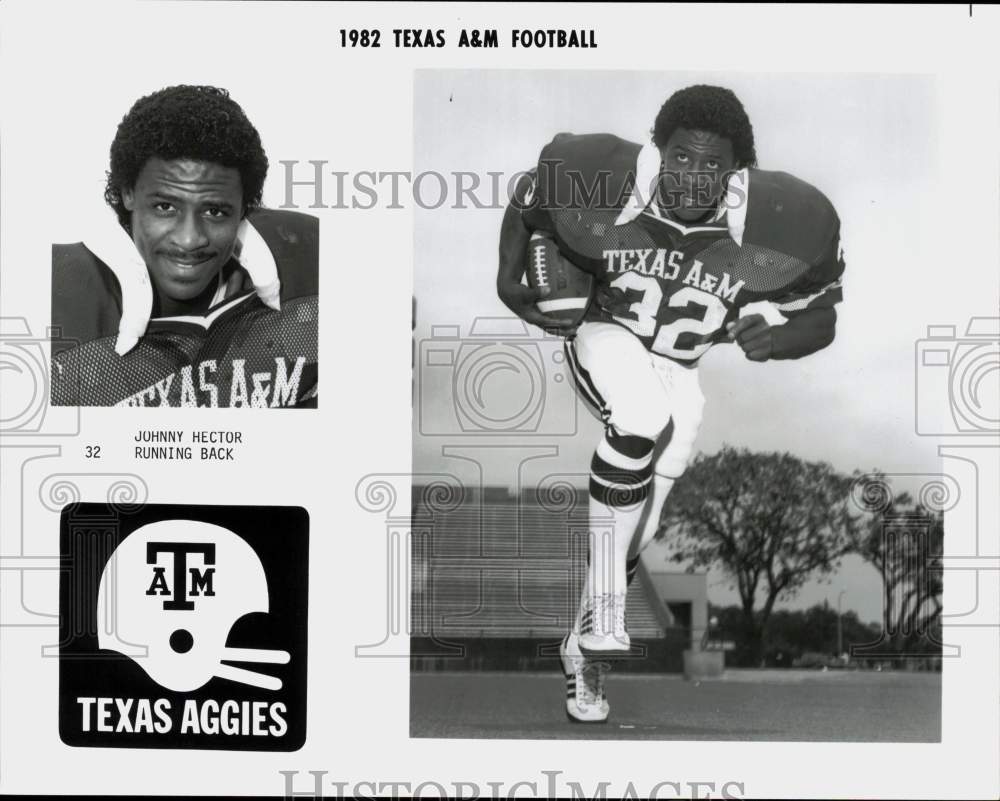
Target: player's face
(185,215)
(695,165)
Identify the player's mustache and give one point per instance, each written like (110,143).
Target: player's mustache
(193,256)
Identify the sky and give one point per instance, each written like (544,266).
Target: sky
(871,143)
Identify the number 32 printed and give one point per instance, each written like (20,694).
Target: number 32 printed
(646,309)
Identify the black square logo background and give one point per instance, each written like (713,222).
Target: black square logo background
(89,534)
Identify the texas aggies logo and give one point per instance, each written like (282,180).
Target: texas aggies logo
(199,580)
(196,637)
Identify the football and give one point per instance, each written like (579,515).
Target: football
(570,288)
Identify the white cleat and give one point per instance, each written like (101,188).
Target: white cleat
(602,631)
(585,701)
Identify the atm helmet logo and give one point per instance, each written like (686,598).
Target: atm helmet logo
(170,595)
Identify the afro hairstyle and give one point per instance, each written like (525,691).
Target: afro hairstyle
(201,123)
(708,108)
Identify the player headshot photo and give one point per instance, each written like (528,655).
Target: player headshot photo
(660,406)
(183,289)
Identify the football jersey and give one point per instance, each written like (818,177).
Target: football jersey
(676,286)
(240,353)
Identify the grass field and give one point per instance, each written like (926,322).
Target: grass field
(785,705)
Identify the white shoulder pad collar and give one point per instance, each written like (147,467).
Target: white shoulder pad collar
(735,202)
(647,173)
(255,257)
(107,240)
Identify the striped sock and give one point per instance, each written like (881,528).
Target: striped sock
(620,478)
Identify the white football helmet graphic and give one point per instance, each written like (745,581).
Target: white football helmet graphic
(177,587)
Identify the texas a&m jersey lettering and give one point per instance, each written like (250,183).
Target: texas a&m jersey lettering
(674,285)
(667,265)
(674,306)
(201,386)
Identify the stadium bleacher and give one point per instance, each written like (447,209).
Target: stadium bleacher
(499,575)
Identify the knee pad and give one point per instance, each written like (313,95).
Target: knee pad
(621,470)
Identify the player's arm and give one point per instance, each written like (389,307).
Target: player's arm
(514,237)
(805,332)
(811,319)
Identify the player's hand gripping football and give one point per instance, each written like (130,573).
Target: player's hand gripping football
(521,300)
(755,335)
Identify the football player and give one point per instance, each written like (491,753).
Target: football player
(186,292)
(687,239)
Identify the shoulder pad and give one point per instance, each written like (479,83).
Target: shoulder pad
(586,171)
(293,238)
(86,296)
(789,215)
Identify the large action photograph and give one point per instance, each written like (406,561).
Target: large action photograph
(177,286)
(672,473)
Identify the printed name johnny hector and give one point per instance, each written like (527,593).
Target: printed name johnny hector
(170,444)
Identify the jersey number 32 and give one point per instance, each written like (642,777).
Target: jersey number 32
(646,311)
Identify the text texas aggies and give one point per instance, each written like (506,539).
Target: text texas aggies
(249,349)
(677,285)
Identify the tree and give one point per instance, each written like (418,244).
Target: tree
(902,540)
(791,633)
(769,520)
